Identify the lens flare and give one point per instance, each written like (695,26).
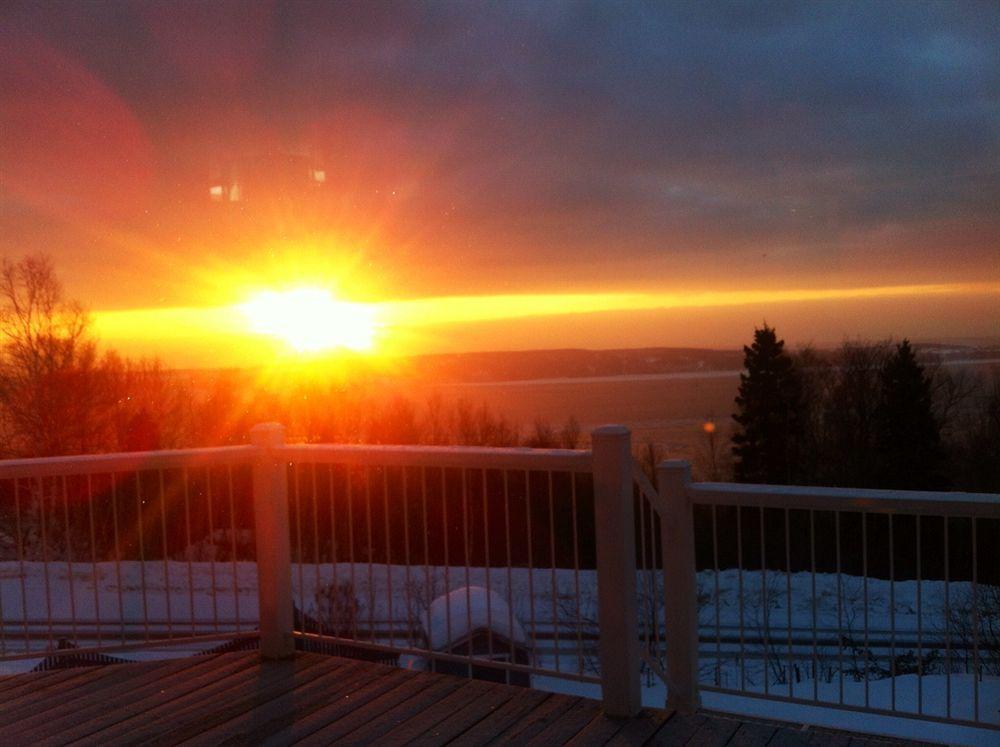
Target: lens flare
(312,320)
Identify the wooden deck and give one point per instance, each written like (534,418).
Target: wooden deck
(315,699)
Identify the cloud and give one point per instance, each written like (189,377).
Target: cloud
(554,135)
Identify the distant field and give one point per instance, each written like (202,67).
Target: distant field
(668,409)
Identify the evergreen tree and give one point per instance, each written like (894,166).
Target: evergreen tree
(766,443)
(907,434)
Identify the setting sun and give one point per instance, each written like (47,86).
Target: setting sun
(312,320)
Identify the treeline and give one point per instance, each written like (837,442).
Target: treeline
(317,411)
(870,415)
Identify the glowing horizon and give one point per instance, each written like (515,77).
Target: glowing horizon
(412,326)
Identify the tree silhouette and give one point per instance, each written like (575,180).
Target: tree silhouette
(765,445)
(850,417)
(53,398)
(907,434)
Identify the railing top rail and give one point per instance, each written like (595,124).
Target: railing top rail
(847,499)
(133,461)
(556,460)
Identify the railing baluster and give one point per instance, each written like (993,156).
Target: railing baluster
(576,576)
(212,548)
(93,559)
(976,671)
(447,557)
(370,552)
(45,559)
(118,556)
(142,555)
(654,618)
(334,548)
(428,585)
(408,582)
(715,581)
(299,563)
(840,611)
(486,547)
(68,538)
(947,618)
(892,615)
(531,561)
(388,552)
(647,596)
(317,582)
(233,547)
(188,549)
(465,557)
(166,557)
(350,543)
(812,601)
(739,584)
(864,577)
(510,572)
(788,609)
(554,580)
(765,601)
(20,562)
(920,625)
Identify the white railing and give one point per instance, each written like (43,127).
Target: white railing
(460,560)
(526,566)
(469,560)
(886,602)
(118,552)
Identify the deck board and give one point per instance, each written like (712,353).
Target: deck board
(502,718)
(236,701)
(433,714)
(536,721)
(316,699)
(80,703)
(133,705)
(599,731)
(459,722)
(567,726)
(268,719)
(304,724)
(374,730)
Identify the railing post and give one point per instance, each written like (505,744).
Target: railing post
(274,560)
(680,586)
(616,596)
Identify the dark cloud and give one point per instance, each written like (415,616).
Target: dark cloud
(554,131)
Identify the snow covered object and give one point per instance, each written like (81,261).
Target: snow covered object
(471,621)
(470,609)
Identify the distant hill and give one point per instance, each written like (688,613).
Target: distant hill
(522,365)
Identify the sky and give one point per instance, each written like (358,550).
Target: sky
(509,175)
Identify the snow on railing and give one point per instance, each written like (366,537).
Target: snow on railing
(885,602)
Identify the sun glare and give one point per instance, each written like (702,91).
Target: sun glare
(312,320)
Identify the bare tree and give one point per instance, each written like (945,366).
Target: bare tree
(54,393)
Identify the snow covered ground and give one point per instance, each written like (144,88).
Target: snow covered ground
(550,607)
